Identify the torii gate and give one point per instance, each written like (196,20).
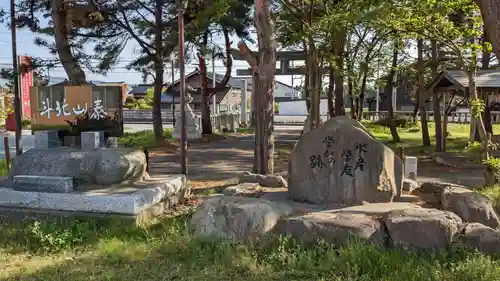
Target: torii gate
(286,59)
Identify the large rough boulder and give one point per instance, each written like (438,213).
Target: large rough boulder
(237,218)
(432,192)
(481,238)
(341,163)
(334,228)
(104,166)
(470,206)
(338,226)
(422,229)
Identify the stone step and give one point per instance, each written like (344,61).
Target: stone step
(43,183)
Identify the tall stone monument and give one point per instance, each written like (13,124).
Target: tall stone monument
(193,122)
(341,163)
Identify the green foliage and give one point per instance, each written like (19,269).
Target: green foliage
(83,123)
(130,103)
(477,106)
(144,106)
(4,169)
(493,192)
(50,237)
(494,164)
(25,122)
(473,147)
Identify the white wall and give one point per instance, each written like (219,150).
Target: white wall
(298,107)
(282,91)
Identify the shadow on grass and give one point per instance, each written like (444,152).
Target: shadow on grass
(170,252)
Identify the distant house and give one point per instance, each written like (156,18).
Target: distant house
(139,91)
(229,98)
(122,84)
(282,91)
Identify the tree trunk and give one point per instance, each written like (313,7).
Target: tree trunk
(362,96)
(265,86)
(389,92)
(307,94)
(350,92)
(485,64)
(331,85)
(490,11)
(313,86)
(158,64)
(436,102)
(426,140)
(339,74)
(477,119)
(206,124)
(76,75)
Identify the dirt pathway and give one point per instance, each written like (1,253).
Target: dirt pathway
(226,159)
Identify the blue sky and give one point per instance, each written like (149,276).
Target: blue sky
(27,47)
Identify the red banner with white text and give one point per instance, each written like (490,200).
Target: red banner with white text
(26,82)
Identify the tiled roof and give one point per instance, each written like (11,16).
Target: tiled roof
(485,78)
(167,98)
(140,89)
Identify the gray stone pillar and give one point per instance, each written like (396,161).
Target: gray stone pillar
(244,100)
(47,139)
(92,140)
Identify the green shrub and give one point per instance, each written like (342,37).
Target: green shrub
(494,164)
(83,123)
(25,123)
(144,106)
(473,147)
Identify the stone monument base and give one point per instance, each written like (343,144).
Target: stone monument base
(144,199)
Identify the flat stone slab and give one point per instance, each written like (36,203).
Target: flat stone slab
(43,183)
(130,199)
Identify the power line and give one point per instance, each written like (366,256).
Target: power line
(127,68)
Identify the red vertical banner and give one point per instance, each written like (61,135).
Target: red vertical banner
(26,83)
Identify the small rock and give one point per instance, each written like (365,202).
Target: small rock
(481,238)
(335,228)
(470,206)
(409,185)
(237,218)
(422,229)
(241,189)
(263,180)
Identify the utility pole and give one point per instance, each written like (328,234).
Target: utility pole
(184,167)
(17,100)
(214,97)
(172,62)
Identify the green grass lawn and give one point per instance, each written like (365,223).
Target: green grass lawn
(142,139)
(411,138)
(103,249)
(97,250)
